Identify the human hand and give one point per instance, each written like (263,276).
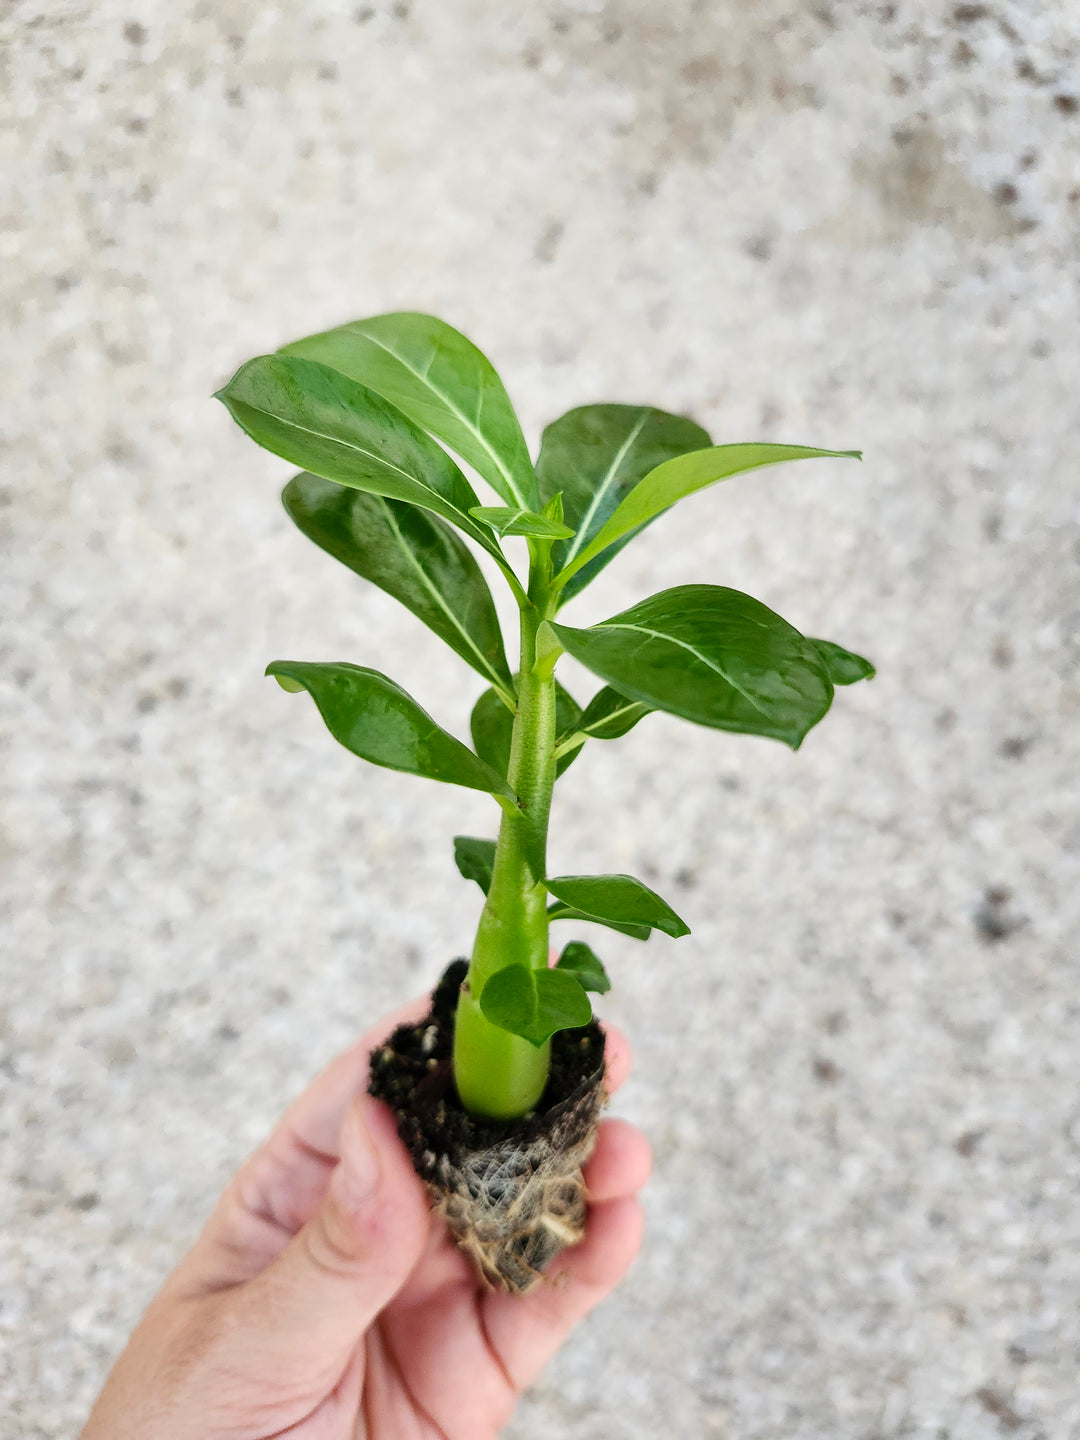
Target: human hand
(324,1301)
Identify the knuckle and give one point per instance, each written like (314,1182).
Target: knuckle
(332,1242)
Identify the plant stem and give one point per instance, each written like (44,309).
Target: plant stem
(500,1075)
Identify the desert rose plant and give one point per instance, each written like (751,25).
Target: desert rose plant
(366,409)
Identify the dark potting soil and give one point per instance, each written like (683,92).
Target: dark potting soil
(412,1073)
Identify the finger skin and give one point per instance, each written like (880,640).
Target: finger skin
(618,1058)
(281,1186)
(620,1164)
(526,1331)
(287,1276)
(311,1306)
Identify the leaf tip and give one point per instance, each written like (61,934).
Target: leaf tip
(285,681)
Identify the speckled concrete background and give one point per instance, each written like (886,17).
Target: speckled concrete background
(834,223)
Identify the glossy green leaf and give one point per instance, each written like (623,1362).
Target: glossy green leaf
(412,555)
(507,520)
(677,478)
(584,964)
(553,508)
(609,715)
(567,716)
(376,719)
(535,1003)
(618,898)
(475,859)
(595,456)
(559,911)
(492,728)
(711,655)
(441,381)
(844,666)
(567,710)
(320,419)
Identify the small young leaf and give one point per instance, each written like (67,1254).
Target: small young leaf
(559,911)
(677,478)
(535,1003)
(594,456)
(609,715)
(844,666)
(412,555)
(553,510)
(442,382)
(505,520)
(617,897)
(320,419)
(579,960)
(711,655)
(475,859)
(376,719)
(492,728)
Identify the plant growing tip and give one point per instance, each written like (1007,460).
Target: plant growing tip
(370,411)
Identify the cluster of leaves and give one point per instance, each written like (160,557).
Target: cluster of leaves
(363,409)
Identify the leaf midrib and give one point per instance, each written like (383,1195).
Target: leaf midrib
(684,645)
(614,714)
(469,525)
(605,485)
(437,596)
(347,445)
(471,426)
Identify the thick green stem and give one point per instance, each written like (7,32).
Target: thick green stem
(500,1075)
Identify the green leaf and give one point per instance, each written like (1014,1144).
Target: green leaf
(567,716)
(610,715)
(442,382)
(607,716)
(674,479)
(617,897)
(553,510)
(506,520)
(412,555)
(374,718)
(584,964)
(322,420)
(559,911)
(595,456)
(492,728)
(535,1003)
(475,859)
(844,666)
(711,655)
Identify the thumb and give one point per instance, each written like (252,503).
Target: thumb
(316,1299)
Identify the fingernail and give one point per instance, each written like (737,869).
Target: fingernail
(359,1169)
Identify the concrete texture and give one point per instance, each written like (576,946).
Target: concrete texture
(832,223)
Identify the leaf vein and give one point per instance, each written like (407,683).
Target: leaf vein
(684,645)
(424,378)
(438,597)
(605,486)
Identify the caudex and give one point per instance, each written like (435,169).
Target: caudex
(362,408)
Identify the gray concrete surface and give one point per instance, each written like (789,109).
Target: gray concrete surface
(834,223)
